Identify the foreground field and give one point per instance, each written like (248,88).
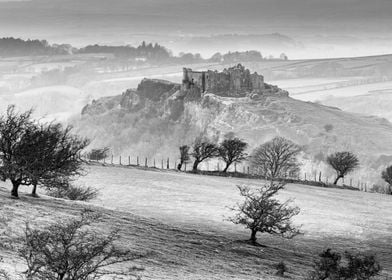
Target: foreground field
(179,219)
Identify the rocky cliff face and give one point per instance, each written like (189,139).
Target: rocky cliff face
(158,116)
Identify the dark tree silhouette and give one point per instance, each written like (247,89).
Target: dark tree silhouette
(13,127)
(34,153)
(387,176)
(203,149)
(343,163)
(49,151)
(261,212)
(184,156)
(98,154)
(232,151)
(72,250)
(276,158)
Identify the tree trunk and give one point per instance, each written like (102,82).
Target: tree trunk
(15,187)
(227,167)
(253,236)
(179,166)
(337,179)
(195,165)
(34,192)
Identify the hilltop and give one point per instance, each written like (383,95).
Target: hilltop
(158,116)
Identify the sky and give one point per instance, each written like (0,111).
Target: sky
(318,23)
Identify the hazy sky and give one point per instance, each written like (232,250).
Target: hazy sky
(119,21)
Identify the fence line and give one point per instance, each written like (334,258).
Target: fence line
(315,178)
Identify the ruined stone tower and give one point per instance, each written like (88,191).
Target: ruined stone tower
(234,81)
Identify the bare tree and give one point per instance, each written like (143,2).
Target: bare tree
(387,176)
(261,212)
(184,156)
(13,127)
(232,151)
(49,151)
(276,158)
(72,250)
(203,149)
(343,163)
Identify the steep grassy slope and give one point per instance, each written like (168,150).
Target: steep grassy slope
(179,219)
(150,128)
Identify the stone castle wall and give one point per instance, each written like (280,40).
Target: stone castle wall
(233,81)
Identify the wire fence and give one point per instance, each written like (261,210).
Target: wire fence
(243,170)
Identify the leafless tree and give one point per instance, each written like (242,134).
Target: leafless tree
(387,176)
(13,126)
(232,151)
(184,156)
(203,149)
(261,212)
(276,158)
(343,163)
(72,250)
(33,153)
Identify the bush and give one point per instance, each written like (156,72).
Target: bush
(73,250)
(64,189)
(355,266)
(281,268)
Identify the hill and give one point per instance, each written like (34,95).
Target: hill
(180,220)
(153,120)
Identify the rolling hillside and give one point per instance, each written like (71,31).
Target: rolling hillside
(179,219)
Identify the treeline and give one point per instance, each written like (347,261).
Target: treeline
(11,47)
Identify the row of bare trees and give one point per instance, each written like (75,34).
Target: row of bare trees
(230,150)
(274,159)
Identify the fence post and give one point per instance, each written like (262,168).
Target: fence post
(120,160)
(218,167)
(137,161)
(111,160)
(185,166)
(168,163)
(146,163)
(248,170)
(320,176)
(235,167)
(129,160)
(305,176)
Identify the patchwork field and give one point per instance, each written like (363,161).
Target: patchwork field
(179,219)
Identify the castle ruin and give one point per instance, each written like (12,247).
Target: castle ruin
(234,81)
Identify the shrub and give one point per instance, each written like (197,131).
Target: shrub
(328,127)
(64,189)
(281,269)
(72,250)
(354,267)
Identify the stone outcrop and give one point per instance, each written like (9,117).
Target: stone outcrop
(164,98)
